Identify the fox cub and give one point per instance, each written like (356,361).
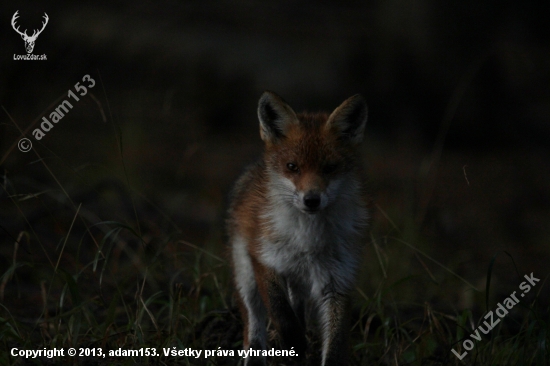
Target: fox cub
(296,226)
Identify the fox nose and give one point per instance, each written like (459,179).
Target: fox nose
(312,201)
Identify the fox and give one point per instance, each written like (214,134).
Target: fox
(297,221)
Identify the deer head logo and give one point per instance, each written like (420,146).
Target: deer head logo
(29,40)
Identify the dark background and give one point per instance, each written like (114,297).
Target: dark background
(457,147)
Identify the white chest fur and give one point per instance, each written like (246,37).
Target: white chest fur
(316,250)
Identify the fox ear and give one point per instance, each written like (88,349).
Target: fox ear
(350,118)
(275,116)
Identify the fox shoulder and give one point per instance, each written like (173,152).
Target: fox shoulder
(247,194)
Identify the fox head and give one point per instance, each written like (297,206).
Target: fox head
(311,158)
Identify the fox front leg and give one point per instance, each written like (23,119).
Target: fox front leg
(281,313)
(334,321)
(255,319)
(252,308)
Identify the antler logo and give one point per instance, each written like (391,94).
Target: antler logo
(29,40)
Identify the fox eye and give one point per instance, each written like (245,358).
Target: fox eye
(292,167)
(330,168)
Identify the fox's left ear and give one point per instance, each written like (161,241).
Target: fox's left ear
(275,117)
(350,118)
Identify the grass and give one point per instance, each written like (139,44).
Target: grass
(111,269)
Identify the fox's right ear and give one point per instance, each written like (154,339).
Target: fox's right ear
(275,117)
(350,118)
